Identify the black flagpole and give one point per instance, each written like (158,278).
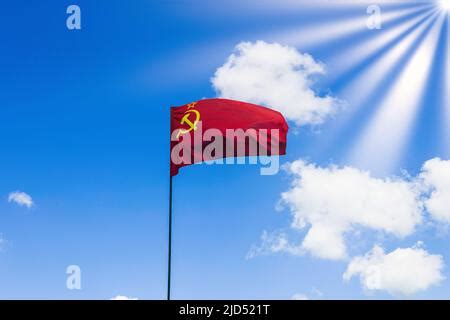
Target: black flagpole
(169,262)
(170,239)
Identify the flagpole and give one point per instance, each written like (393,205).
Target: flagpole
(169,262)
(170,240)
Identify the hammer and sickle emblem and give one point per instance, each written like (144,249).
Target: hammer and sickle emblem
(191,105)
(187,119)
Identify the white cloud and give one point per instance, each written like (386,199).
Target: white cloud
(275,242)
(330,203)
(119,297)
(3,242)
(436,178)
(300,296)
(278,77)
(333,201)
(404,271)
(317,292)
(21,198)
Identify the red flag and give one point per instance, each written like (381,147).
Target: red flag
(213,129)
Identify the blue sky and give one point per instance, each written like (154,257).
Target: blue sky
(84,121)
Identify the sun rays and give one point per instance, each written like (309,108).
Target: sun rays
(389,69)
(382,74)
(445,5)
(382,142)
(321,33)
(446,92)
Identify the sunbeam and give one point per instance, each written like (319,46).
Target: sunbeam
(445,4)
(446,93)
(366,82)
(361,89)
(322,33)
(382,143)
(327,4)
(355,55)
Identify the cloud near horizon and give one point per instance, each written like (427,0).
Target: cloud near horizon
(330,203)
(120,297)
(300,296)
(436,179)
(402,272)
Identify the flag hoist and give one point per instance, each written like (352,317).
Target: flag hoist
(220,131)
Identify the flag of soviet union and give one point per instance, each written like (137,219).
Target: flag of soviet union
(221,118)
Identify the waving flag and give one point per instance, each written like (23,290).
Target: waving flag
(213,129)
